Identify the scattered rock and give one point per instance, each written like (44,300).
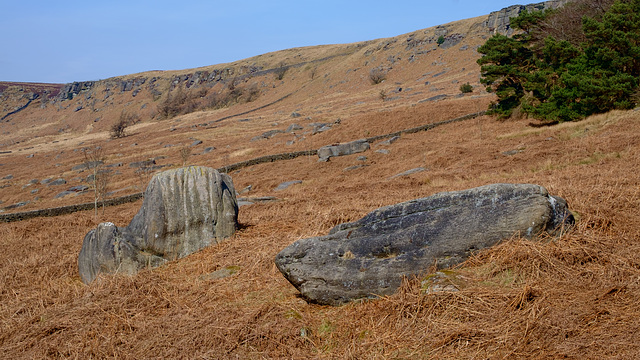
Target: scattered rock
(434,98)
(361,158)
(46,181)
(267,135)
(17,205)
(383,151)
(8,177)
(294,127)
(287,184)
(245,201)
(370,257)
(388,141)
(354,147)
(196,143)
(354,167)
(87,165)
(63,194)
(78,188)
(58,182)
(295,115)
(143,164)
(409,172)
(321,128)
(208,149)
(184,210)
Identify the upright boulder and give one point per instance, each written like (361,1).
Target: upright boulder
(370,257)
(184,210)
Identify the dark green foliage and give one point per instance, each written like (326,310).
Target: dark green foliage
(558,80)
(466,88)
(440,40)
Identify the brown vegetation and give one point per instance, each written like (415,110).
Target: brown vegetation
(574,297)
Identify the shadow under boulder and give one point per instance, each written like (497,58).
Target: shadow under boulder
(369,257)
(184,210)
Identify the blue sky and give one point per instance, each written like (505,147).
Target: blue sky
(65,41)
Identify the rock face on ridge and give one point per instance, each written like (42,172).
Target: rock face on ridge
(499,21)
(370,257)
(184,210)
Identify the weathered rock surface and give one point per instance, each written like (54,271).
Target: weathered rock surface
(184,210)
(354,147)
(370,257)
(500,21)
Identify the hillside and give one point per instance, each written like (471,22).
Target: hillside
(574,297)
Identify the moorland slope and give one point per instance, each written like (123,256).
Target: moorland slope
(574,297)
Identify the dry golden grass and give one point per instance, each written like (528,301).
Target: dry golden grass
(574,297)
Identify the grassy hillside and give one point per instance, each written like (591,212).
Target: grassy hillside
(573,297)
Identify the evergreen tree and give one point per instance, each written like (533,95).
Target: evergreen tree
(557,80)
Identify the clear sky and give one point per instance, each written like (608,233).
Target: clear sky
(70,40)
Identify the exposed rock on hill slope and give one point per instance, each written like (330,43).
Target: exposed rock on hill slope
(184,210)
(371,256)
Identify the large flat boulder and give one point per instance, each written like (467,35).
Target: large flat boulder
(184,210)
(354,147)
(370,257)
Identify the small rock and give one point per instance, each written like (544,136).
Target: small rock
(389,141)
(208,149)
(17,205)
(58,182)
(383,151)
(355,167)
(510,152)
(78,188)
(294,127)
(196,143)
(434,98)
(8,177)
(349,148)
(63,194)
(286,184)
(295,115)
(361,158)
(409,172)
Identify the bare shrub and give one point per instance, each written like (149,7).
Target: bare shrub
(125,120)
(281,70)
(377,75)
(185,152)
(94,160)
(177,103)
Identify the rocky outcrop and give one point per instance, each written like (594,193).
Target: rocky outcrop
(354,147)
(184,210)
(499,21)
(370,257)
